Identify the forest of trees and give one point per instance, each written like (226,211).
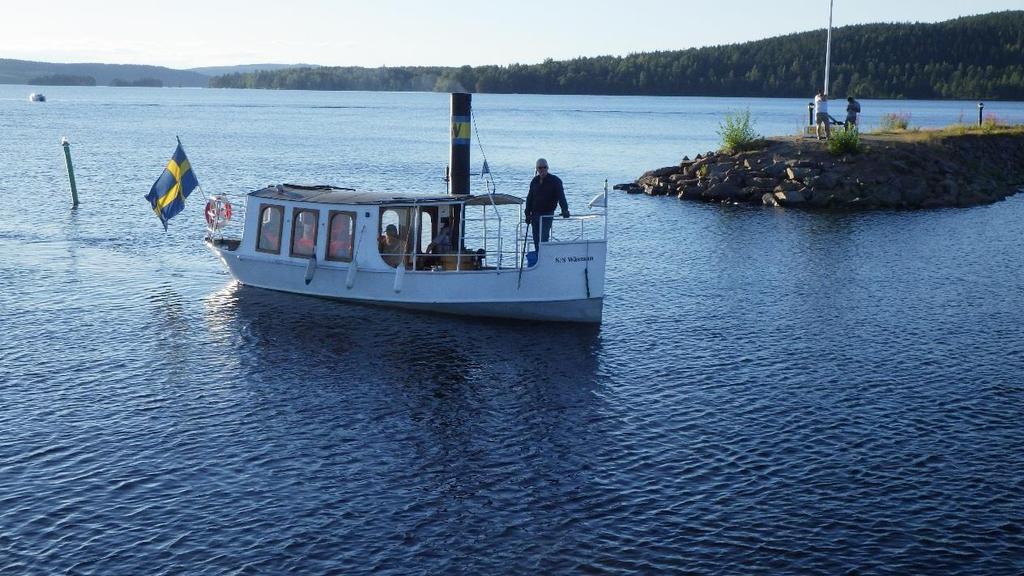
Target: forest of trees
(140,83)
(62,80)
(975,57)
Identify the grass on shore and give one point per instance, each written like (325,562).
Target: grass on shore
(898,124)
(924,135)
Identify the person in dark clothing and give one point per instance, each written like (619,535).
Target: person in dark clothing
(546,192)
(852,111)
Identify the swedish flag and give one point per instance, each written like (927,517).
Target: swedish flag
(167,196)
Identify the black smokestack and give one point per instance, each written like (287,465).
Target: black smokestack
(461,125)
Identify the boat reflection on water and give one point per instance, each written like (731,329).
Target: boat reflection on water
(331,342)
(348,382)
(398,426)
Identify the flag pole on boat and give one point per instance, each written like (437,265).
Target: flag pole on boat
(198,185)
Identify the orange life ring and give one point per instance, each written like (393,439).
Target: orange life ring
(218,212)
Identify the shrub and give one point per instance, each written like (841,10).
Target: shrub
(844,141)
(991,122)
(737,132)
(895,121)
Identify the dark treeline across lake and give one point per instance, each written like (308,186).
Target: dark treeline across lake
(977,57)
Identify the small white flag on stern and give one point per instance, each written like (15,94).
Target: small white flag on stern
(601,199)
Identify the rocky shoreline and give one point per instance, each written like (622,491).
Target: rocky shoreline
(913,171)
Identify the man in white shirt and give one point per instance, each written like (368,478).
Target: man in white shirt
(821,117)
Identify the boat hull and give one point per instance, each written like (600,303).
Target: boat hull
(566,284)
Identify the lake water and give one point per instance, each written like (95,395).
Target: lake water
(771,391)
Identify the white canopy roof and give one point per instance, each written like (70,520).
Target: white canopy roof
(334,195)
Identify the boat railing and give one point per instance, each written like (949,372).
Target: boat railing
(487,234)
(501,251)
(587,227)
(232,229)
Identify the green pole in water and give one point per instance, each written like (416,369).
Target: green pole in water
(71,170)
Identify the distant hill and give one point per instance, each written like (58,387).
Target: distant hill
(25,72)
(243,68)
(966,58)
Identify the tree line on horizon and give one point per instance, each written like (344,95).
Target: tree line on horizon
(79,80)
(975,57)
(62,80)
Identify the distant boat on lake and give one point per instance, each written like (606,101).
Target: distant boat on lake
(36,97)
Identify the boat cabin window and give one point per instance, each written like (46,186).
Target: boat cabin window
(426,228)
(342,233)
(397,235)
(304,232)
(269,234)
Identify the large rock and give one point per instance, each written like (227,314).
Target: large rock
(659,172)
(801,173)
(886,195)
(788,186)
(753,193)
(735,178)
(656,189)
(723,192)
(719,170)
(915,192)
(690,192)
(826,180)
(943,193)
(801,163)
(628,188)
(837,196)
(694,169)
(791,198)
(776,170)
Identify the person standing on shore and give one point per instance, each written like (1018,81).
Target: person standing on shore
(821,117)
(852,112)
(546,192)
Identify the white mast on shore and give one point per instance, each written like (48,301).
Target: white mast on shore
(828,45)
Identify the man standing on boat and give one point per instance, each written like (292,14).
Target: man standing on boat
(546,192)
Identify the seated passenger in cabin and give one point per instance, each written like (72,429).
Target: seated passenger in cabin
(442,243)
(390,246)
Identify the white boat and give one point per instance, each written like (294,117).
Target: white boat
(36,97)
(377,248)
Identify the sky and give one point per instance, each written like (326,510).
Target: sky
(191,33)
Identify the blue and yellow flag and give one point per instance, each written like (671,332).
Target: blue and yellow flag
(167,196)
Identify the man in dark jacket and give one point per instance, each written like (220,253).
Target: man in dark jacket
(546,192)
(852,111)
